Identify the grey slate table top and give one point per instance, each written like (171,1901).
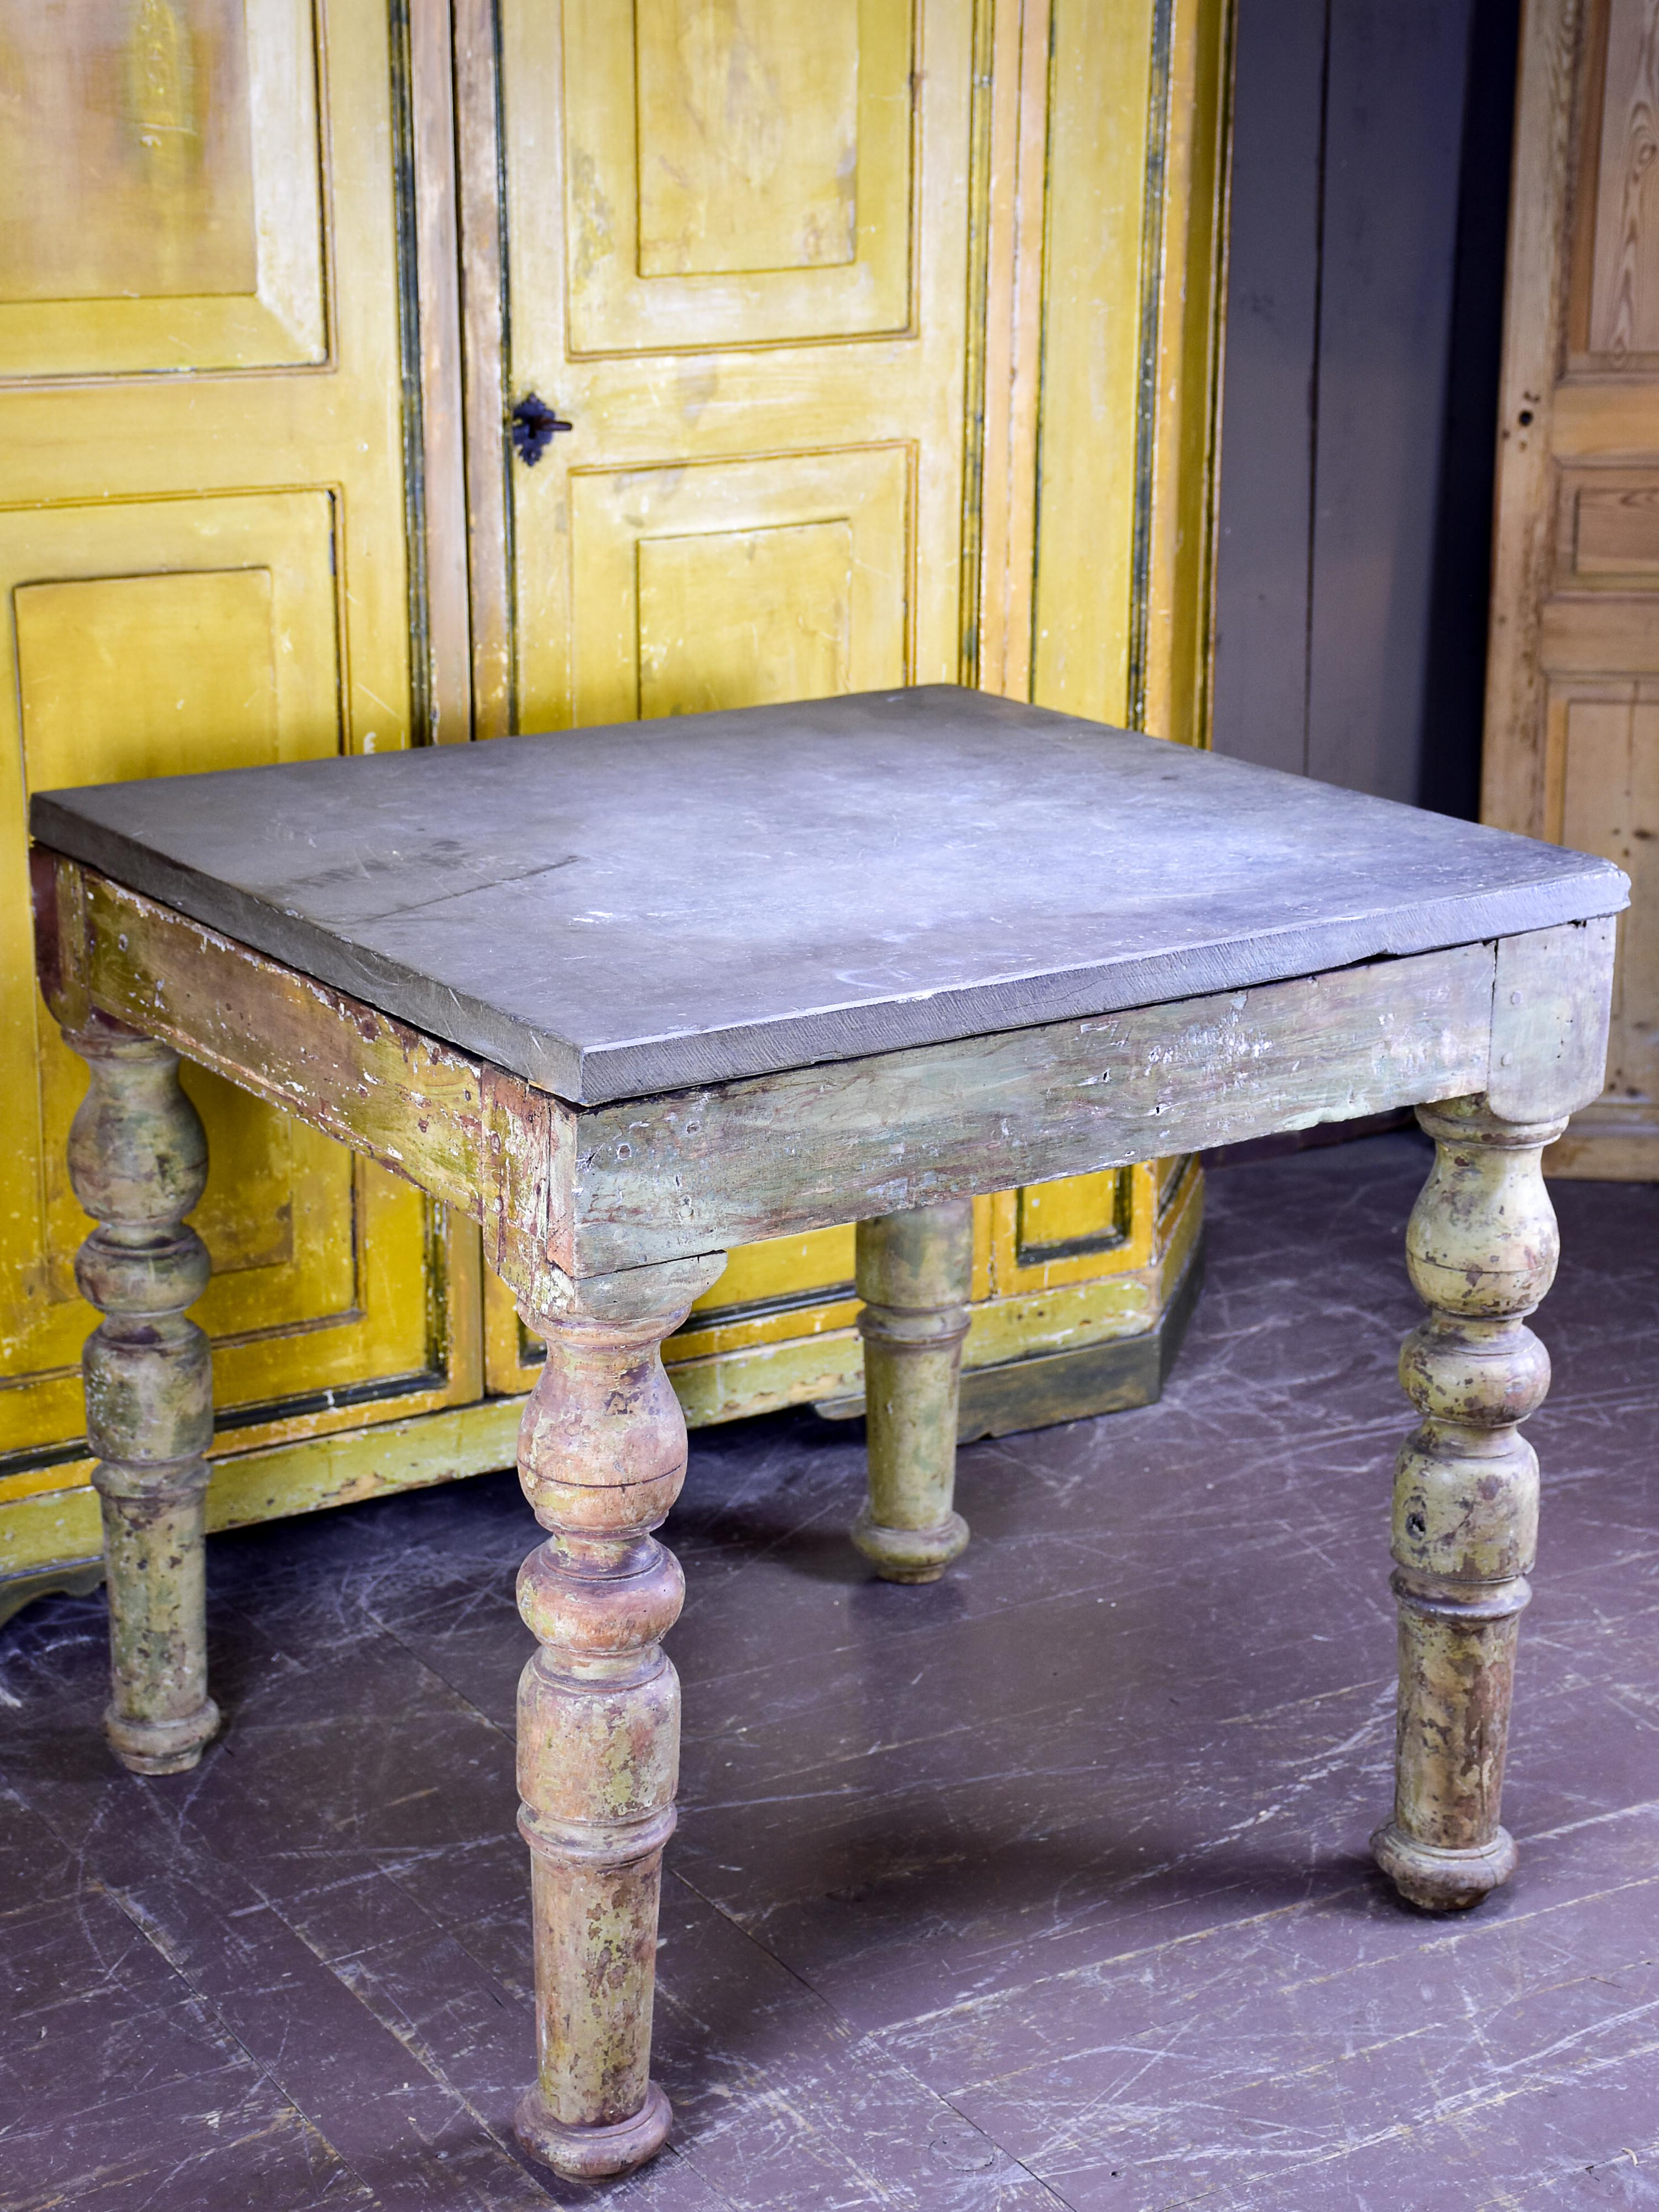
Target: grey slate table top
(614,912)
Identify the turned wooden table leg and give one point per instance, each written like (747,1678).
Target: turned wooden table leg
(914,1276)
(601,1457)
(1481,1248)
(138,1162)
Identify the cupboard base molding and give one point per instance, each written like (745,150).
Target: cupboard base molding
(1046,1387)
(50,1540)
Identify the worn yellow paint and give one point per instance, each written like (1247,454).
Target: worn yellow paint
(166,619)
(163,182)
(739,583)
(736,174)
(1131,362)
(819,400)
(748,145)
(1107,1220)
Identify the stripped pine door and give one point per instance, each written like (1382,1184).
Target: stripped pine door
(203,545)
(779,271)
(1572,721)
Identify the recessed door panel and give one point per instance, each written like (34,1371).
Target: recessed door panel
(737,172)
(155,638)
(161,206)
(1624,245)
(1604,742)
(739,583)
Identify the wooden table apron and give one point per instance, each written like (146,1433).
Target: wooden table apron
(608,1220)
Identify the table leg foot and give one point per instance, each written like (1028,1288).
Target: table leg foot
(590,2154)
(915,1276)
(601,1457)
(1443,1880)
(1481,1248)
(138,1165)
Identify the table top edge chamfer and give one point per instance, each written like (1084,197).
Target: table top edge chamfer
(916,964)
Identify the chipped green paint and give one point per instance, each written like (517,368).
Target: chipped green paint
(915,1274)
(601,1457)
(1481,1248)
(138,1163)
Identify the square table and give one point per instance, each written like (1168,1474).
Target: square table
(629,997)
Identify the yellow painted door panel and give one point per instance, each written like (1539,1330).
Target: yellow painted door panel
(755,315)
(203,569)
(161,204)
(739,583)
(739,172)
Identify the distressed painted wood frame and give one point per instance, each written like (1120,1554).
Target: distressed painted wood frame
(608,1221)
(570,1192)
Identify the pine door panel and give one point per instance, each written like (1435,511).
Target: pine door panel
(1574,661)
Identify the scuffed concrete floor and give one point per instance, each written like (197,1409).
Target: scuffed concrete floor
(1044,1887)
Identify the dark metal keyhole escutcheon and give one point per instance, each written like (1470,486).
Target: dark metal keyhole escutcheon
(534,424)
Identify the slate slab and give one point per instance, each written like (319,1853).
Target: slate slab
(613,912)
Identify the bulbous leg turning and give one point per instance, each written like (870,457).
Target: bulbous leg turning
(914,1277)
(601,1457)
(138,1163)
(1481,1248)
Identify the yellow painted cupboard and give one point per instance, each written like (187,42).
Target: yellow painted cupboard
(884,341)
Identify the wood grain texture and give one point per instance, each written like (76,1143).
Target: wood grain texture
(1018,175)
(1550,1002)
(1624,249)
(1569,725)
(443,502)
(1513,787)
(405,1100)
(482,277)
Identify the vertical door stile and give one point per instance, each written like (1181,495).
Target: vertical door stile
(484,399)
(439,472)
